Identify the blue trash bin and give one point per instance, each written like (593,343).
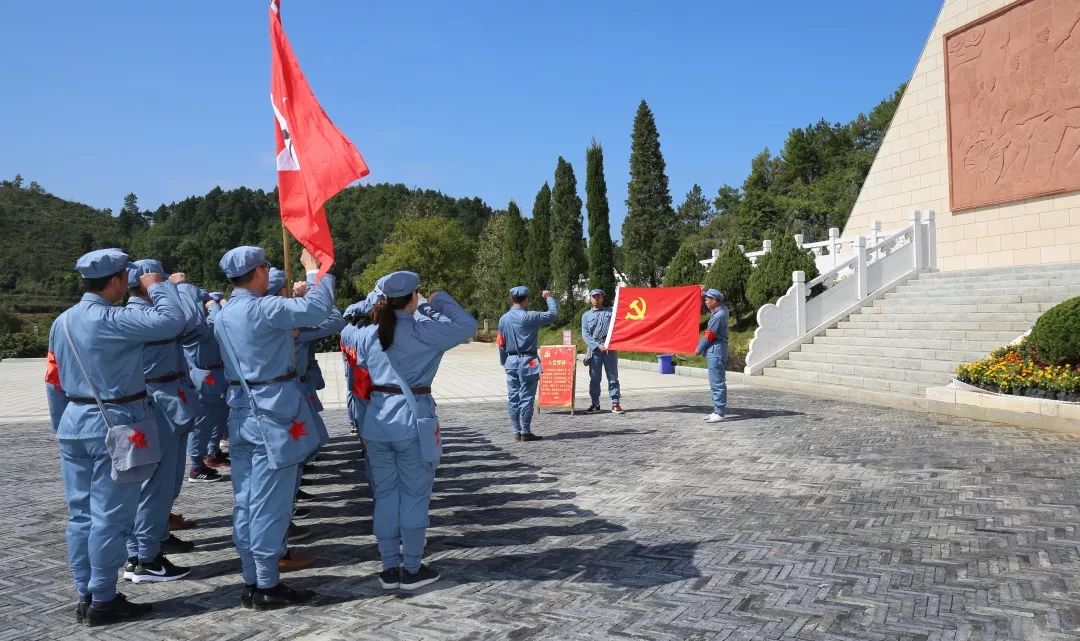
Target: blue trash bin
(667,366)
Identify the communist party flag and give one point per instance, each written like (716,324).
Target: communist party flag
(314,159)
(656,319)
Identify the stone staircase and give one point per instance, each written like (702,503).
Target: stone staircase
(893,349)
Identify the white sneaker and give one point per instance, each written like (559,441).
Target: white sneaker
(714,418)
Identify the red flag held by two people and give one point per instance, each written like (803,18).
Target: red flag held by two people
(314,159)
(655,319)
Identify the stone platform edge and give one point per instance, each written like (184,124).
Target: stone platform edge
(1057,416)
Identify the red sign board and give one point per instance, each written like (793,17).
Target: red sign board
(559,376)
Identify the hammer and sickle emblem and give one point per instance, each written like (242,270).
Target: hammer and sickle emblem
(637,309)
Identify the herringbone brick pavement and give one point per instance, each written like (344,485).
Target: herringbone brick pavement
(799,519)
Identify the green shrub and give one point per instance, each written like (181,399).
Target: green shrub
(685,268)
(729,274)
(772,277)
(1056,335)
(24,345)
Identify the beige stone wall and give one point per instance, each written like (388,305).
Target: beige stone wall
(911,172)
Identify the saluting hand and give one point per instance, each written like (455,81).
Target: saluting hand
(309,262)
(299,289)
(178,277)
(546,293)
(150,279)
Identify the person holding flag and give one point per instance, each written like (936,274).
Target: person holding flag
(595,324)
(714,347)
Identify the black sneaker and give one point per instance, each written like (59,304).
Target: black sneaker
(390,579)
(83,605)
(303,496)
(129,567)
(352,430)
(205,475)
(176,545)
(246,596)
(298,532)
(301,512)
(517,436)
(420,578)
(279,596)
(531,437)
(593,408)
(158,570)
(119,609)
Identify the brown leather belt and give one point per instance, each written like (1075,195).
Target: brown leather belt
(168,378)
(116,401)
(394,389)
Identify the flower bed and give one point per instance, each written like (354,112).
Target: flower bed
(1017,370)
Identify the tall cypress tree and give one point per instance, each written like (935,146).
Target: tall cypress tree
(601,251)
(567,243)
(650,230)
(515,247)
(538,263)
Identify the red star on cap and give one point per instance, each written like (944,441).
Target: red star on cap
(297,430)
(210,380)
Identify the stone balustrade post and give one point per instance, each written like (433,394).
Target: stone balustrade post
(834,245)
(766,246)
(916,239)
(861,282)
(799,240)
(799,280)
(931,241)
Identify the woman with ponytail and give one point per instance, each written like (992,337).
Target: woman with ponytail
(400,355)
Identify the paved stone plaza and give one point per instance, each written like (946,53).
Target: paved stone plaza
(800,518)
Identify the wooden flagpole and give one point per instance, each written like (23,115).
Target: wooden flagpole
(288,261)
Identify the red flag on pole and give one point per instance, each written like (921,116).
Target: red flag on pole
(314,159)
(657,319)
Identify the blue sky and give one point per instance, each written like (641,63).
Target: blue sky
(169,98)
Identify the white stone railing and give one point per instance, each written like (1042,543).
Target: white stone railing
(839,249)
(873,269)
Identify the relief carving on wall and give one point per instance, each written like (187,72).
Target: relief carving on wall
(1012,86)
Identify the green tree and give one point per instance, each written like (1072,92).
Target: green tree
(601,249)
(568,262)
(513,249)
(435,247)
(488,273)
(694,211)
(729,274)
(538,263)
(772,277)
(650,229)
(685,268)
(131,221)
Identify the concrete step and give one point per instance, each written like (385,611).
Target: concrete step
(960,345)
(850,349)
(842,358)
(881,370)
(989,284)
(831,379)
(995,272)
(1000,337)
(901,307)
(927,315)
(1041,295)
(865,322)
